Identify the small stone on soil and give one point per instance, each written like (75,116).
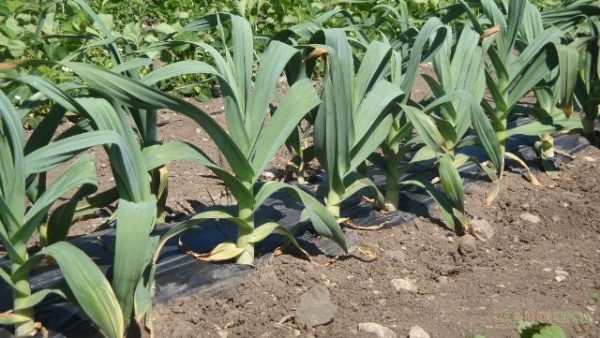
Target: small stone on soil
(589,159)
(404,284)
(418,332)
(467,244)
(377,329)
(531,218)
(315,308)
(555,218)
(267,176)
(283,320)
(481,229)
(222,333)
(397,256)
(419,224)
(560,271)
(561,274)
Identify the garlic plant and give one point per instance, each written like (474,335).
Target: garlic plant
(355,114)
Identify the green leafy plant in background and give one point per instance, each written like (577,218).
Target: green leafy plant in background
(81,30)
(355,114)
(573,17)
(534,330)
(36,29)
(477,335)
(423,8)
(540,330)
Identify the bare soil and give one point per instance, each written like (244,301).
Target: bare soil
(512,276)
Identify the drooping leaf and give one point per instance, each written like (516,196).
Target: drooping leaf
(86,282)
